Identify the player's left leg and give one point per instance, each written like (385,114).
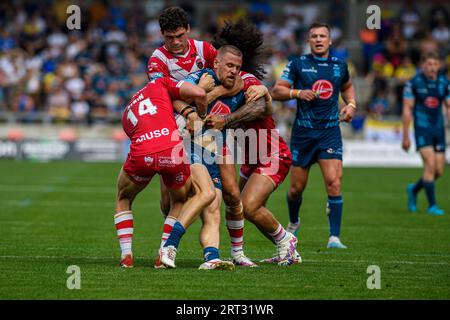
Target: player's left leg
(332,175)
(233,210)
(123,218)
(254,195)
(203,191)
(210,236)
(428,178)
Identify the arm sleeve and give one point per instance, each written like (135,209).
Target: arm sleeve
(210,54)
(194,77)
(447,95)
(249,80)
(408,91)
(156,69)
(289,72)
(346,74)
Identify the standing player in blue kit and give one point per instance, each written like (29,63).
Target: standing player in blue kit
(422,99)
(316,80)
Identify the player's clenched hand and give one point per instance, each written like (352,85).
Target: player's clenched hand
(214,121)
(193,123)
(255,92)
(307,95)
(406,143)
(206,82)
(347,113)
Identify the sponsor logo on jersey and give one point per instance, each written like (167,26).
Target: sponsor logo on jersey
(312,69)
(148,160)
(179,177)
(200,64)
(220,108)
(156,75)
(166,162)
(431,102)
(153,135)
(323,89)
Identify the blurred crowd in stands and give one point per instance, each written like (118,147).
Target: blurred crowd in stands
(86,76)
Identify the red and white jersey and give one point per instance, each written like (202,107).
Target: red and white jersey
(162,63)
(268,138)
(265,127)
(148,119)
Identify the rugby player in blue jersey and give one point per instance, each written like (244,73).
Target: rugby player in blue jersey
(422,100)
(316,80)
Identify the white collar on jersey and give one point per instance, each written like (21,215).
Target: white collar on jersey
(181,55)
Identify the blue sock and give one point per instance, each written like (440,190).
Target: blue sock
(294,207)
(418,186)
(175,235)
(334,207)
(210,253)
(429,190)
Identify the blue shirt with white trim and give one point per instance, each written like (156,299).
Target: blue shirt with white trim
(324,76)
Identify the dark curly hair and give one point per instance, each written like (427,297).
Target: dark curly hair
(244,35)
(173,18)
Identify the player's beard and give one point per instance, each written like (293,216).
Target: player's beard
(229,83)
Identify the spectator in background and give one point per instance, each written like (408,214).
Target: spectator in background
(410,19)
(402,74)
(259,11)
(441,32)
(370,46)
(429,44)
(379,105)
(381,67)
(58,103)
(396,46)
(437,13)
(25,105)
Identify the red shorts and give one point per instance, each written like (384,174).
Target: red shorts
(277,168)
(173,168)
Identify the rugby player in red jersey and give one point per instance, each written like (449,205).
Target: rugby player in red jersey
(180,56)
(156,148)
(262,172)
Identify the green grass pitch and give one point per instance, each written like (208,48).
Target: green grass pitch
(54,215)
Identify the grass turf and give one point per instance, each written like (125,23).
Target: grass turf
(58,214)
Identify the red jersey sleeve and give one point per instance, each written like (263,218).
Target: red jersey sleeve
(172,86)
(156,68)
(210,54)
(249,80)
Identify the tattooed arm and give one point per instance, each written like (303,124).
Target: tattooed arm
(248,112)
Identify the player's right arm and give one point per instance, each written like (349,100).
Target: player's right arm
(283,89)
(156,68)
(447,103)
(181,92)
(408,105)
